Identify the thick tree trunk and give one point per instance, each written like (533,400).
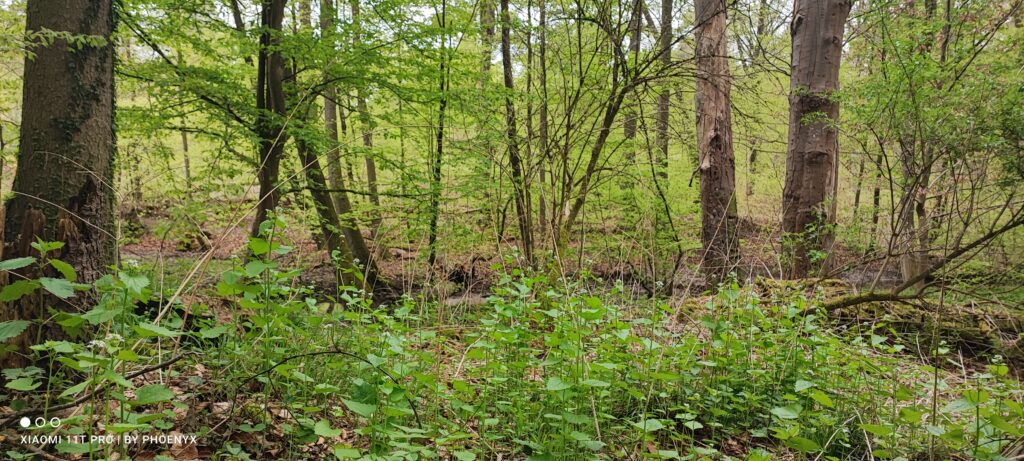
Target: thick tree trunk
(522,194)
(63,183)
(717,164)
(808,200)
(270,104)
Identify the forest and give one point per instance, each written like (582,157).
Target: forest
(512,230)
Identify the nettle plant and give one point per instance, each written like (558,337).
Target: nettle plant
(93,378)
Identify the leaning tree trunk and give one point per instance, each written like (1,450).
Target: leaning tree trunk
(63,184)
(808,199)
(519,185)
(714,143)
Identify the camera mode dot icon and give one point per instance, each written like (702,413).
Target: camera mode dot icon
(25,422)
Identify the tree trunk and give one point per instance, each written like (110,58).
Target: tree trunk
(334,171)
(486,40)
(632,108)
(435,167)
(63,183)
(808,199)
(542,113)
(270,105)
(522,194)
(185,159)
(714,143)
(665,47)
(366,125)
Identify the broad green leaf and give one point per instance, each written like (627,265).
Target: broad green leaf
(465,455)
(120,428)
(213,332)
(802,444)
(60,288)
(23,384)
(16,263)
(17,289)
(147,330)
(65,269)
(362,409)
(791,411)
(556,384)
(323,429)
(134,283)
(12,328)
(152,393)
(342,452)
(648,425)
(877,429)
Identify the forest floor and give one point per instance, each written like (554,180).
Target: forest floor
(497,363)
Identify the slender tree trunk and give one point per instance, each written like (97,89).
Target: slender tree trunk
(876,202)
(334,147)
(632,107)
(367,127)
(714,143)
(270,104)
(808,202)
(435,167)
(522,195)
(860,182)
(664,96)
(486,40)
(542,113)
(186,160)
(63,186)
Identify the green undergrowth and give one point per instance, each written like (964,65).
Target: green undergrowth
(571,370)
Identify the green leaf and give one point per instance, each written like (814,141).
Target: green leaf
(556,384)
(323,429)
(877,429)
(12,328)
(147,330)
(693,425)
(791,411)
(362,409)
(120,428)
(74,389)
(822,398)
(465,455)
(595,383)
(343,452)
(16,290)
(957,406)
(23,384)
(648,425)
(258,246)
(16,263)
(802,444)
(60,288)
(214,332)
(802,385)
(134,283)
(152,393)
(65,269)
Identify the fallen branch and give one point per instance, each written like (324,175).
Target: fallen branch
(896,294)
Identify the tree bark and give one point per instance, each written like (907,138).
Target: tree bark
(808,200)
(270,105)
(664,96)
(717,163)
(522,194)
(366,125)
(435,167)
(63,186)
